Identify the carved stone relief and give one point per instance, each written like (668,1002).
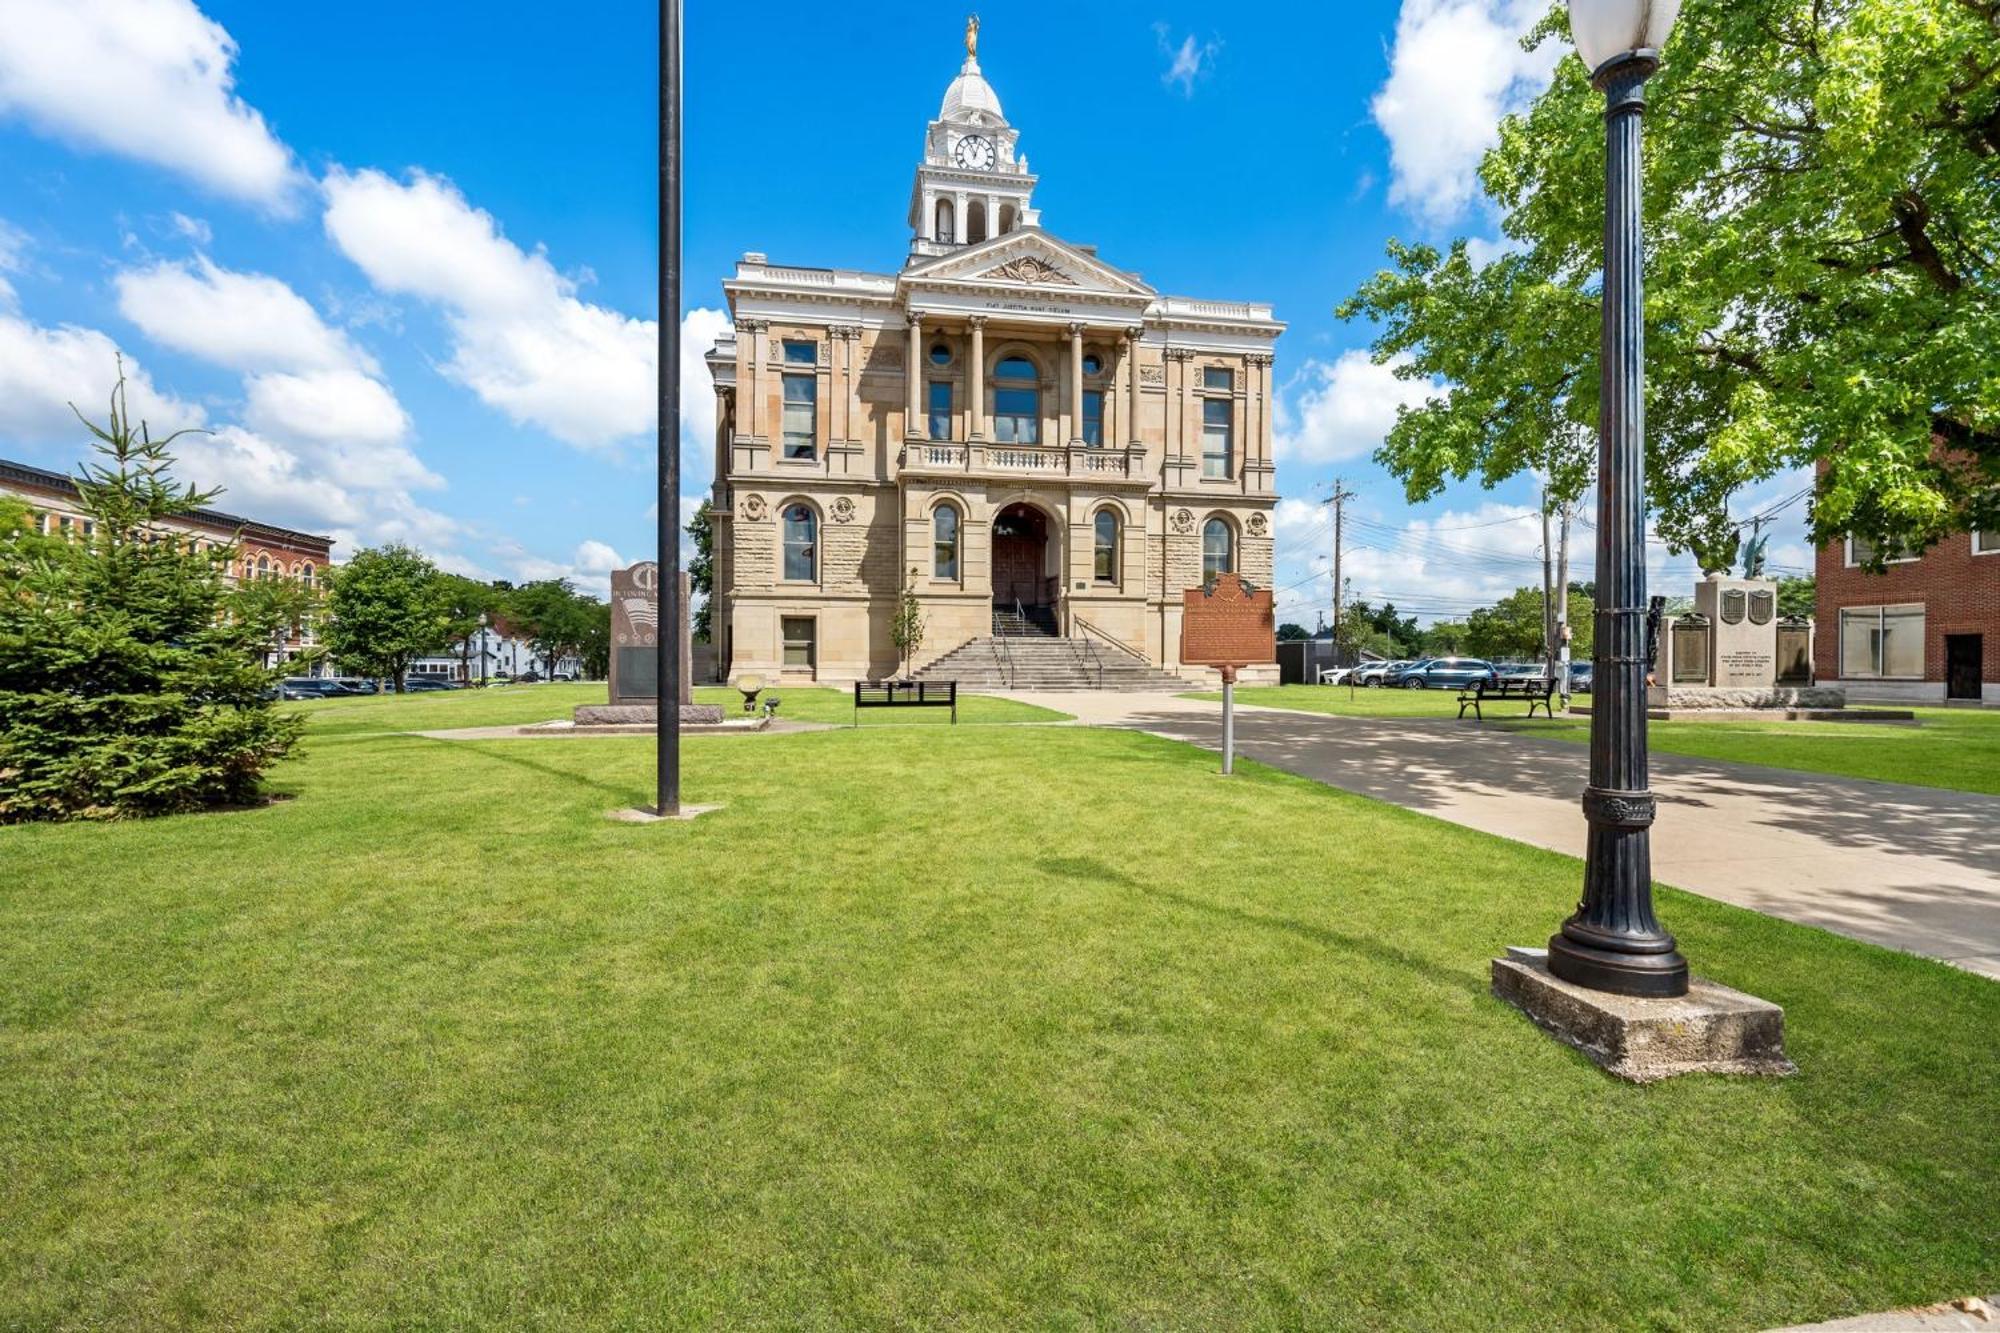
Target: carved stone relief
(754,508)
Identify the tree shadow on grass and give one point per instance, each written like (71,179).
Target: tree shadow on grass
(508,752)
(1090,868)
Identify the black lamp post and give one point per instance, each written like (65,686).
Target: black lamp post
(1613,942)
(667,662)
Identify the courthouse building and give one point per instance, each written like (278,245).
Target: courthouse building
(1022,434)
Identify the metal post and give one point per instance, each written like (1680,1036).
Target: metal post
(667,659)
(1562,604)
(1548,593)
(1613,942)
(1228,721)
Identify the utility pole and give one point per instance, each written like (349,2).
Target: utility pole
(1337,500)
(1562,600)
(1548,585)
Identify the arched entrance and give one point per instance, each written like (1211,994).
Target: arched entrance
(1020,558)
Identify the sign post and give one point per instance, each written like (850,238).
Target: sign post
(1229,625)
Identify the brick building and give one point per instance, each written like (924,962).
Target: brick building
(1926,629)
(264,550)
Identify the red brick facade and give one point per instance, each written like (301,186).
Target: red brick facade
(1959,589)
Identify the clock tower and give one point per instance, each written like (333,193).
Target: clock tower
(972,184)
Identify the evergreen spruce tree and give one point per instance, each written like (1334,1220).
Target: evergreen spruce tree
(131,673)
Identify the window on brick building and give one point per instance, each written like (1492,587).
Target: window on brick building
(1882,641)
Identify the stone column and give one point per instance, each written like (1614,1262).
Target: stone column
(1132,385)
(1076,383)
(914,379)
(961,223)
(975,381)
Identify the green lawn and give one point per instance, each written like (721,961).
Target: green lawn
(437,710)
(988,1027)
(1957,748)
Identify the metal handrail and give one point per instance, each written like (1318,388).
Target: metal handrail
(1115,642)
(1007,653)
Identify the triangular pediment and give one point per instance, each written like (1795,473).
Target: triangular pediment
(1028,258)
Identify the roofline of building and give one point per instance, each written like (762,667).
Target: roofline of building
(64,484)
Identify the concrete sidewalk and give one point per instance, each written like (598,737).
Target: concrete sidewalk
(1912,868)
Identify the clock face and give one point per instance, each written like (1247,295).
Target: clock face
(974,151)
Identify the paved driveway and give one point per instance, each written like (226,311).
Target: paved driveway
(1910,867)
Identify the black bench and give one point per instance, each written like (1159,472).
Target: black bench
(905,694)
(1537,690)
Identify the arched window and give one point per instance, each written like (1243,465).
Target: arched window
(975,221)
(306,576)
(1218,550)
(943,231)
(801,526)
(263,566)
(1017,401)
(1105,561)
(1007,219)
(944,542)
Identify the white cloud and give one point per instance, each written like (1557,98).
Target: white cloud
(194,229)
(1456,69)
(147,79)
(522,340)
(44,370)
(241,321)
(1188,61)
(1344,408)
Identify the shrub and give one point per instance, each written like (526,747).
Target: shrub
(131,676)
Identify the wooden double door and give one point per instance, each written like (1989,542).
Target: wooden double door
(1020,545)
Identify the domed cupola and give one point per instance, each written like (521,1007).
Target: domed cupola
(972,185)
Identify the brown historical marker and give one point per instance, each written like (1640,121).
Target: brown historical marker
(1228,625)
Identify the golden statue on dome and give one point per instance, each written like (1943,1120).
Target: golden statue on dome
(972,37)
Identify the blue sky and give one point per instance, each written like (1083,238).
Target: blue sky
(399,259)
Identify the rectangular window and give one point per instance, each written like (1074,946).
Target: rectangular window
(800,648)
(1882,641)
(801,354)
(1218,377)
(801,415)
(1016,416)
(1093,417)
(940,403)
(1986,543)
(1860,551)
(1218,422)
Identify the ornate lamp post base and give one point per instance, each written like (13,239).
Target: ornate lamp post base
(1618,970)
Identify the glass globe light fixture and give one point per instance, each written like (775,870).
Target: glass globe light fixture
(1607,29)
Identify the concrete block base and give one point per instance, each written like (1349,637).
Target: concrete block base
(625,715)
(1710,1030)
(647,815)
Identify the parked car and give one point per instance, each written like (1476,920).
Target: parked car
(428,683)
(307,687)
(357,685)
(1335,675)
(1580,676)
(528,678)
(1373,673)
(1441,673)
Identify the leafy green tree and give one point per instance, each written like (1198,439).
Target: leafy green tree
(131,672)
(1290,632)
(469,604)
(389,606)
(595,649)
(556,620)
(1798,596)
(701,572)
(906,628)
(1443,639)
(1822,286)
(1512,627)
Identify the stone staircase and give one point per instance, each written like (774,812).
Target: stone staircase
(1025,653)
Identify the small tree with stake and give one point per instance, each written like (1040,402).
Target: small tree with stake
(131,673)
(906,631)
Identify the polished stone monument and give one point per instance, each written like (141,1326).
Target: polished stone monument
(635,639)
(1744,617)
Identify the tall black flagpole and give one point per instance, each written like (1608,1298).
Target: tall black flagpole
(667,671)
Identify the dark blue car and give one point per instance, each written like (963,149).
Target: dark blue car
(1441,673)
